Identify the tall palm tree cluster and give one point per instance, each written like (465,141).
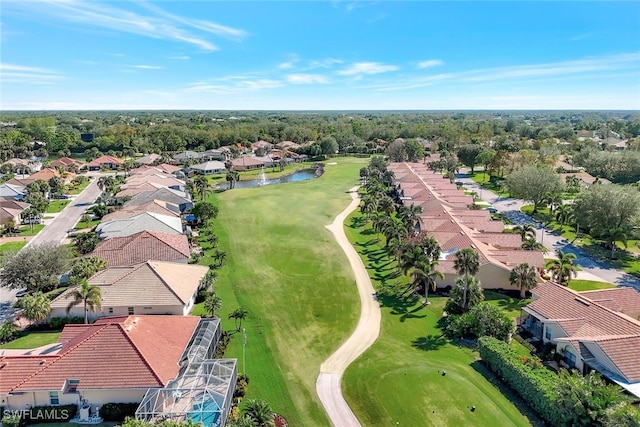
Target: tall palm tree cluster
(415,251)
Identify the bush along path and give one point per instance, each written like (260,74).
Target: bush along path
(328,384)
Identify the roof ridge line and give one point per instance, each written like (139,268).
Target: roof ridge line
(60,356)
(164,282)
(137,350)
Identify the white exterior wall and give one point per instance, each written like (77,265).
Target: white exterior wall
(490,276)
(93,397)
(177,310)
(602,358)
(556,331)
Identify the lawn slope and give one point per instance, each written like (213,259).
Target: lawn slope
(285,268)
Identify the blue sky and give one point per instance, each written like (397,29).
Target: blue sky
(293,55)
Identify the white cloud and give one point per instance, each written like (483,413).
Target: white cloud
(26,74)
(305,79)
(367,68)
(147,67)
(162,25)
(234,84)
(324,63)
(430,63)
(180,57)
(290,63)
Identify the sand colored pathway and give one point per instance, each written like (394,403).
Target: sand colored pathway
(328,385)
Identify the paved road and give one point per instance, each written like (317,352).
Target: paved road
(55,230)
(511,209)
(328,384)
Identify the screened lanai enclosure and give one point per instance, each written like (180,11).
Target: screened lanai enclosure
(202,391)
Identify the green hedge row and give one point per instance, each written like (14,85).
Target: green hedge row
(50,414)
(535,384)
(118,411)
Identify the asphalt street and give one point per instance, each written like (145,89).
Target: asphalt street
(511,209)
(55,230)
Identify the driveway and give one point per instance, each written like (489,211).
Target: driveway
(510,208)
(55,230)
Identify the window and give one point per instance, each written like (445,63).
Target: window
(110,310)
(53,398)
(130,310)
(547,333)
(570,358)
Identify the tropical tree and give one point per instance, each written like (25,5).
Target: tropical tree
(7,330)
(238,315)
(614,235)
(201,185)
(107,184)
(86,242)
(89,296)
(430,247)
(35,268)
(410,216)
(564,213)
(205,212)
(260,412)
(525,231)
(562,268)
(212,303)
(523,276)
(35,307)
(534,183)
(466,264)
(85,218)
(485,158)
(469,289)
(219,257)
(531,244)
(426,276)
(85,268)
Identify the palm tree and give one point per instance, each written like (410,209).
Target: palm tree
(238,315)
(245,421)
(212,303)
(525,231)
(89,295)
(553,200)
(430,247)
(412,257)
(564,213)
(219,256)
(7,330)
(523,276)
(466,264)
(85,218)
(410,216)
(562,268)
(614,235)
(426,275)
(531,244)
(35,307)
(260,412)
(201,185)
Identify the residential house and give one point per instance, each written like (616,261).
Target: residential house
(145,221)
(287,145)
(153,206)
(143,246)
(46,174)
(114,360)
(161,178)
(104,162)
(151,287)
(187,157)
(67,163)
(209,168)
(247,163)
(446,215)
(180,198)
(148,159)
(161,168)
(11,210)
(595,330)
(12,191)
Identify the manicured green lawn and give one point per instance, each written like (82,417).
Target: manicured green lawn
(511,306)
(12,246)
(286,269)
(399,380)
(57,205)
(26,230)
(33,340)
(589,285)
(82,225)
(491,183)
(78,189)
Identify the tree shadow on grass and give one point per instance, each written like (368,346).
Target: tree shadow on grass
(507,392)
(357,222)
(428,343)
(368,243)
(380,276)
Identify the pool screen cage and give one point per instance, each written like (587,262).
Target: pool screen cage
(202,392)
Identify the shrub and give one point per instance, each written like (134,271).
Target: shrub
(225,337)
(483,320)
(59,322)
(11,420)
(118,411)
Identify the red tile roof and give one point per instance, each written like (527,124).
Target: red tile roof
(106,159)
(141,247)
(623,352)
(623,300)
(65,162)
(154,206)
(113,353)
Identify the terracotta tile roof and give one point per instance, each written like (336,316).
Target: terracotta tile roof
(511,258)
(623,300)
(152,283)
(166,180)
(143,246)
(65,162)
(153,206)
(501,240)
(106,159)
(113,353)
(558,302)
(141,188)
(165,194)
(45,174)
(246,161)
(623,352)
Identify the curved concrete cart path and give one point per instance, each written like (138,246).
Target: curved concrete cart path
(328,385)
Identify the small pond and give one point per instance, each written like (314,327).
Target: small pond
(262,180)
